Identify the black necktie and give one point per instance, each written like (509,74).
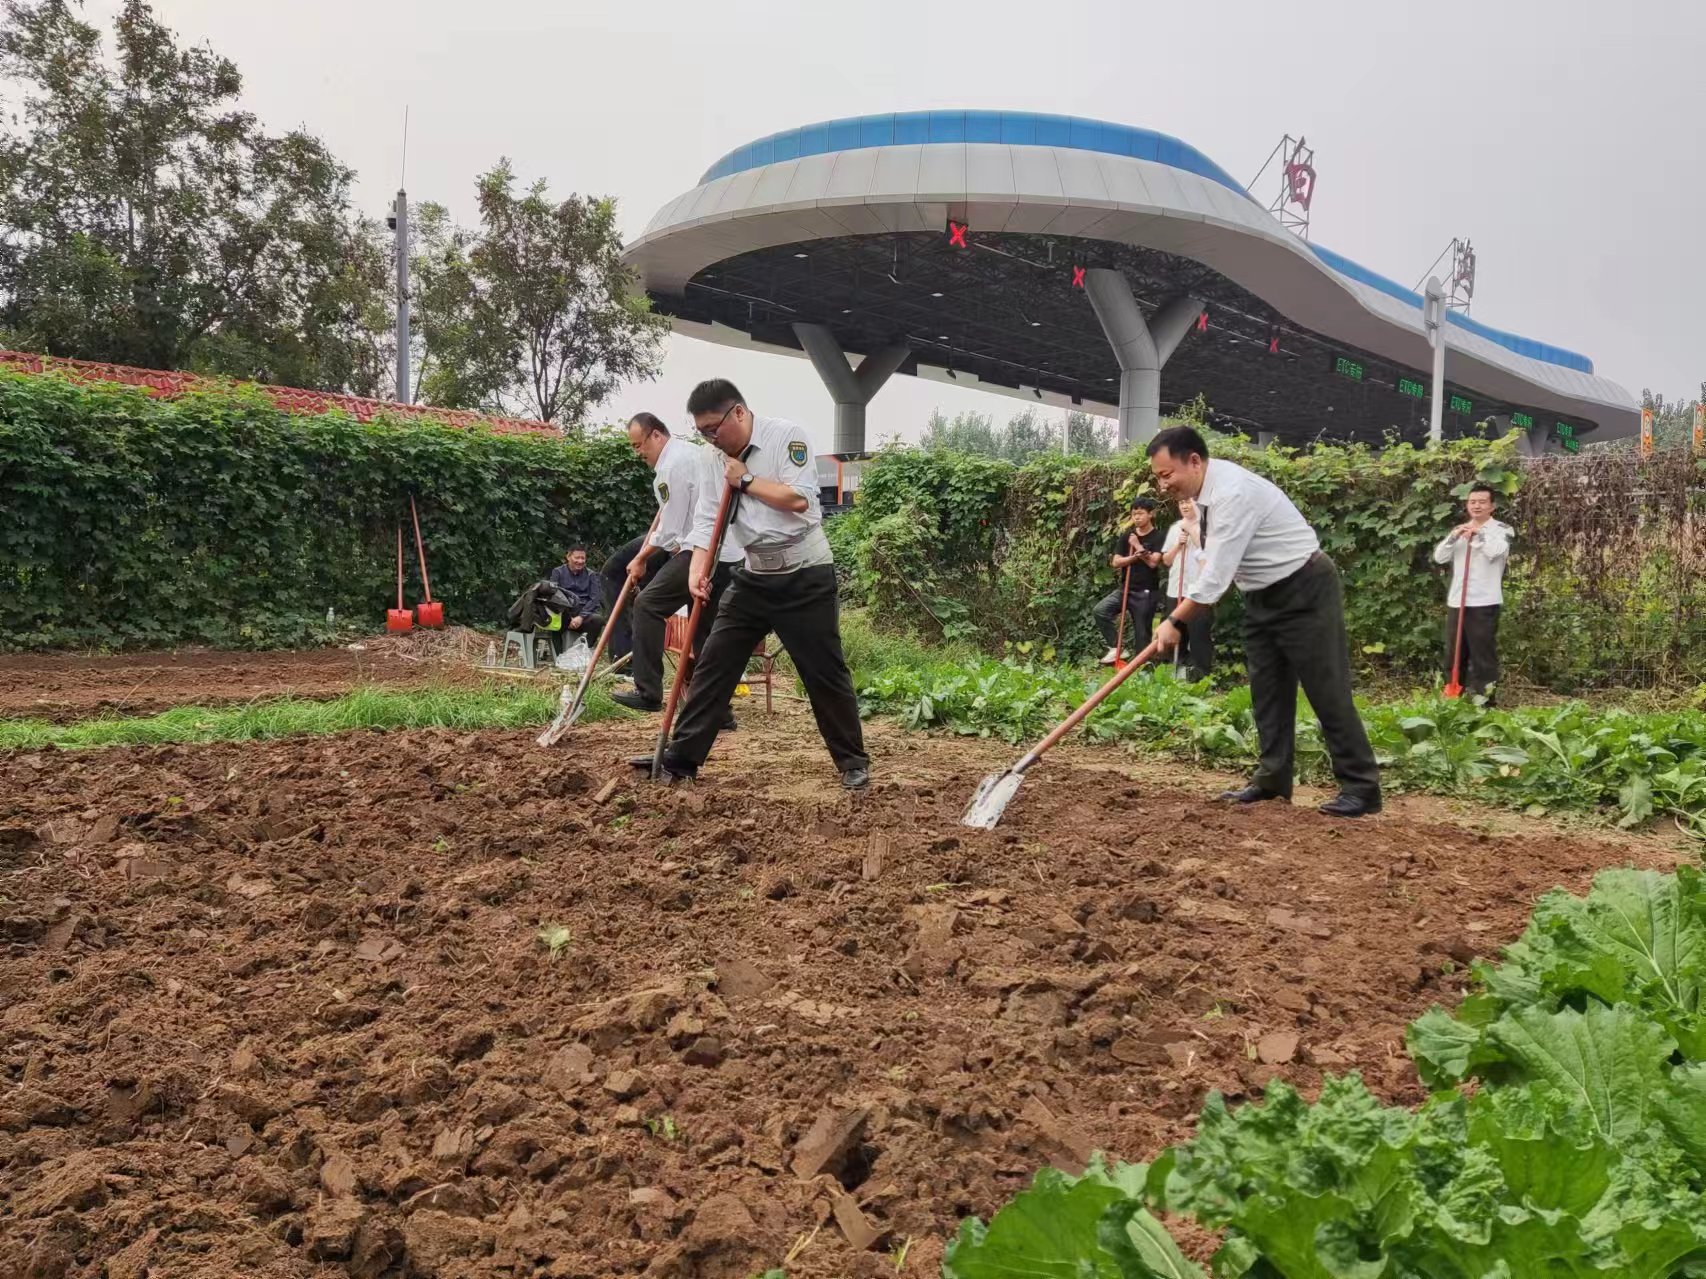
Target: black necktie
(1202,528)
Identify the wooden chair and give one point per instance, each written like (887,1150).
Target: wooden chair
(674,644)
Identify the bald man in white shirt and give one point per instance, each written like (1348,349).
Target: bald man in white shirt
(1294,618)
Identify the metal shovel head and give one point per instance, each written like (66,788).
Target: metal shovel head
(993,795)
(567,714)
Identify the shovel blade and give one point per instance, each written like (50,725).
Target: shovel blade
(993,795)
(568,711)
(1453,690)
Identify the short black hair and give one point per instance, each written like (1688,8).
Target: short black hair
(1143,504)
(1482,488)
(573,547)
(1180,441)
(650,421)
(714,395)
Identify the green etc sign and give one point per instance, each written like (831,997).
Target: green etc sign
(1565,434)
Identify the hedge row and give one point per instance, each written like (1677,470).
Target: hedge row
(127,520)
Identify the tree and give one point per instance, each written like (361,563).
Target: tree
(534,312)
(145,219)
(1087,435)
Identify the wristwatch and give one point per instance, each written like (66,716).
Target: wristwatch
(745,480)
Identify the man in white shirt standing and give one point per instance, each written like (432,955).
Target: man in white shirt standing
(787,584)
(1294,618)
(1182,552)
(682,472)
(1482,545)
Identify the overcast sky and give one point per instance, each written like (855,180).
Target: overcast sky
(1562,136)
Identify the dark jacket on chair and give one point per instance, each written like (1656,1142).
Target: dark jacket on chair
(534,605)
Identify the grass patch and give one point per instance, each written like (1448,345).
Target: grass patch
(364,708)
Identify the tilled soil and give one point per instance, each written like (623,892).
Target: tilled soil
(421,1004)
(64,687)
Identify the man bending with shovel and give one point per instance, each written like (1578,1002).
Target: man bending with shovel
(1294,618)
(787,585)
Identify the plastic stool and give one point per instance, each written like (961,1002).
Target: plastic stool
(529,650)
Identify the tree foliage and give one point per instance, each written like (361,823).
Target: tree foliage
(532,312)
(145,219)
(1027,434)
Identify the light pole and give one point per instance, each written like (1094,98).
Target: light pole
(1433,317)
(400,224)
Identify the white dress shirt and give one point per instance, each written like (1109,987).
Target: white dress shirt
(1252,534)
(1491,547)
(683,473)
(1189,564)
(781,451)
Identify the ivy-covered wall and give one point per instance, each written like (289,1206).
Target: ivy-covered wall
(216,518)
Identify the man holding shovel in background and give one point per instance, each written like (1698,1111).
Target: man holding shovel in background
(1137,550)
(1294,618)
(1480,547)
(787,584)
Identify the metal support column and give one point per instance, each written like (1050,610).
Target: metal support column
(851,389)
(1141,347)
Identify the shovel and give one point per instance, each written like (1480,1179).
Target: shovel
(571,707)
(1454,688)
(399,618)
(997,790)
(684,668)
(1125,602)
(429,614)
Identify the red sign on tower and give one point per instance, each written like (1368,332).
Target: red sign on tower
(1077,277)
(957,235)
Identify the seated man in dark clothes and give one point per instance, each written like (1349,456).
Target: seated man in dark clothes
(586,595)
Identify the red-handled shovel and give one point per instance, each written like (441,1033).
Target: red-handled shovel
(399,618)
(1455,688)
(997,790)
(430,614)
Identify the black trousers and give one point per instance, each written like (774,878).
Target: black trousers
(1294,633)
(803,609)
(614,570)
(1140,604)
(1480,646)
(563,638)
(1196,650)
(658,601)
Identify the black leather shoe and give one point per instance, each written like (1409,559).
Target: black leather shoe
(634,702)
(1249,795)
(1343,805)
(729,724)
(855,779)
(666,774)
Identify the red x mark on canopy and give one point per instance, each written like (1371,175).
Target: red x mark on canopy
(1077,277)
(957,235)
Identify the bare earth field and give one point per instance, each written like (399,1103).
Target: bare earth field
(419,1004)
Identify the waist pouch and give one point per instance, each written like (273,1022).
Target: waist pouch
(804,550)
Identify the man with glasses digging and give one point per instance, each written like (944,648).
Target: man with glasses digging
(787,585)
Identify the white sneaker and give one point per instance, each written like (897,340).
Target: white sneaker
(1110,657)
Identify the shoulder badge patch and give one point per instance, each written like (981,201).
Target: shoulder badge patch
(797,452)
(663,491)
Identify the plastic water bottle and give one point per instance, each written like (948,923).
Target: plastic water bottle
(331,616)
(491,653)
